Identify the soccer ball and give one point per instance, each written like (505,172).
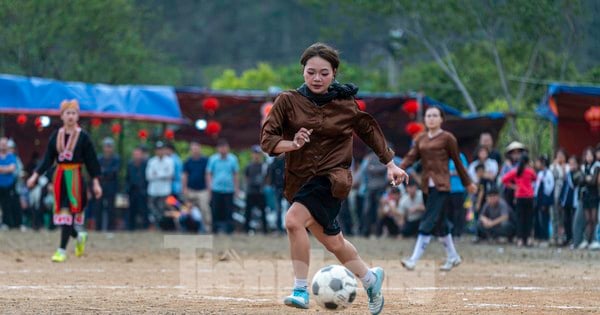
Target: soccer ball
(334,287)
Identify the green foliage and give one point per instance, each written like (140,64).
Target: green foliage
(83,40)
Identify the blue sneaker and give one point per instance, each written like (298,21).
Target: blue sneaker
(298,299)
(374,292)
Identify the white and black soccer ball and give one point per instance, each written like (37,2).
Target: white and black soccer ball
(334,287)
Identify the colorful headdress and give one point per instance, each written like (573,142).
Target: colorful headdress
(69,104)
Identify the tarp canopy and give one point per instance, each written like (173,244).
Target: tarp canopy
(31,95)
(565,106)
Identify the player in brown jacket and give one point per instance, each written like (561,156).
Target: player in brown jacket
(313,126)
(434,148)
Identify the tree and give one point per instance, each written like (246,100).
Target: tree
(91,40)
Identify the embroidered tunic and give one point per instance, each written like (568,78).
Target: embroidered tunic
(69,152)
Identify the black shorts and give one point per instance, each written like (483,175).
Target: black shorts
(316,196)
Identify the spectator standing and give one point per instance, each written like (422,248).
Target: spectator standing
(521,180)
(487,141)
(255,180)
(159,174)
(177,187)
(137,188)
(494,219)
(275,178)
(490,165)
(412,209)
(9,200)
(559,169)
(544,199)
(375,176)
(513,154)
(110,163)
(590,198)
(194,183)
(456,199)
(569,198)
(222,181)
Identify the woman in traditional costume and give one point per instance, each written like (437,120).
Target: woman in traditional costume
(70,147)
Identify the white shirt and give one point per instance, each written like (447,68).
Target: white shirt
(548,178)
(490,166)
(406,202)
(159,173)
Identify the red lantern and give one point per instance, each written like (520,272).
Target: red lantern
(266,109)
(21,119)
(362,105)
(414,128)
(169,134)
(592,116)
(143,134)
(411,107)
(213,128)
(96,122)
(38,123)
(116,128)
(210,105)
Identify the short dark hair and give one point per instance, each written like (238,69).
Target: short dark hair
(479,167)
(493,191)
(321,50)
(222,142)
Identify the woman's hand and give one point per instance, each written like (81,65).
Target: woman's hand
(32,180)
(301,137)
(396,175)
(97,188)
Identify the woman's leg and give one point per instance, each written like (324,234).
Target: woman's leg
(587,236)
(296,221)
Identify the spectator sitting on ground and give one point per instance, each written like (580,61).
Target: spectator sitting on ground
(494,219)
(388,212)
(411,209)
(185,216)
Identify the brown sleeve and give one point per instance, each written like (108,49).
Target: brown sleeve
(412,156)
(452,147)
(368,130)
(272,129)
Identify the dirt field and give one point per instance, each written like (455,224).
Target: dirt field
(137,273)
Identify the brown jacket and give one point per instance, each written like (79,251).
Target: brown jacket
(329,151)
(434,154)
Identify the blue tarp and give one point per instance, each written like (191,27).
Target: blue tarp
(544,108)
(43,96)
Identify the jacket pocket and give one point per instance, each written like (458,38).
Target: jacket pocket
(341,182)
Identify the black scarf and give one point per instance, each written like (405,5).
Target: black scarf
(335,91)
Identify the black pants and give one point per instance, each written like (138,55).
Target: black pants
(279,208)
(105,211)
(390,224)
(410,228)
(541,223)
(137,207)
(345,219)
(457,212)
(11,209)
(503,229)
(435,221)
(369,217)
(222,212)
(525,212)
(569,213)
(256,200)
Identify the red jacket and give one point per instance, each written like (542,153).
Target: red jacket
(524,183)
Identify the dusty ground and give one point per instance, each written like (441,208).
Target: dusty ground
(136,273)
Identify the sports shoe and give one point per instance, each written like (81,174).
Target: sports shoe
(594,246)
(408,264)
(583,245)
(80,244)
(451,263)
(298,299)
(59,256)
(374,292)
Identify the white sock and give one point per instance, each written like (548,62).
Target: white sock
(449,245)
(369,279)
(300,283)
(422,242)
(62,251)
